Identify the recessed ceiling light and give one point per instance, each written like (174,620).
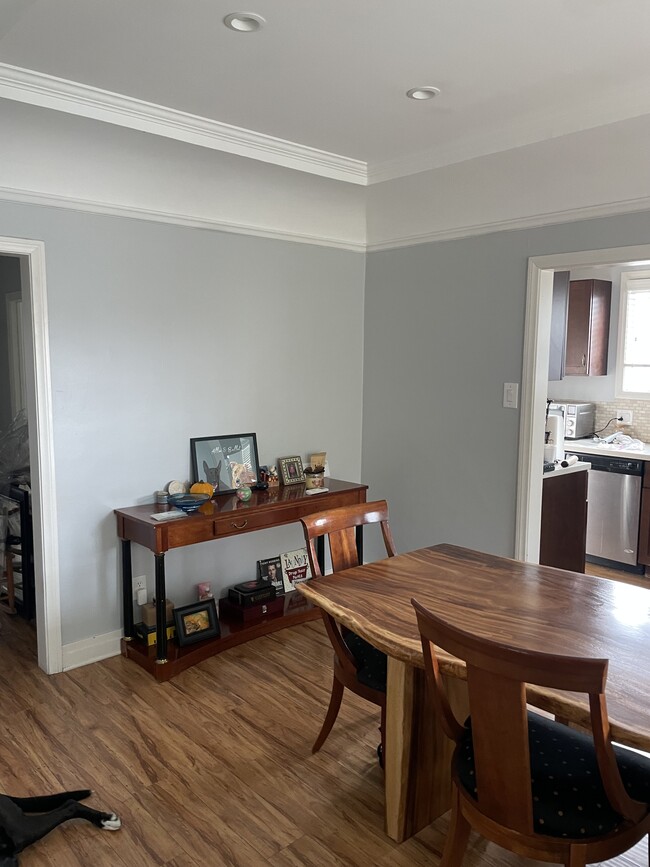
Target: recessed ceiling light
(422,92)
(244,22)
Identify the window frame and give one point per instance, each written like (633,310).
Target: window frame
(628,278)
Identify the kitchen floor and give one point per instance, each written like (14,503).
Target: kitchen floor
(617,575)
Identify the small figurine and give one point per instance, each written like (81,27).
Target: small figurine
(204,591)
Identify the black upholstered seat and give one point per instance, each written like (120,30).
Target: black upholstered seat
(568,795)
(371,663)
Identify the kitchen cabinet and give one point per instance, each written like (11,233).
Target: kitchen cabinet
(643,555)
(557,348)
(563,534)
(587,332)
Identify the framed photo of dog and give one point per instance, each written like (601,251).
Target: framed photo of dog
(226,462)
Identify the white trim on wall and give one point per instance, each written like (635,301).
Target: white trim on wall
(115,210)
(48,91)
(537,336)
(571,215)
(41,448)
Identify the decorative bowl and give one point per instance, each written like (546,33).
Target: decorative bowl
(188,502)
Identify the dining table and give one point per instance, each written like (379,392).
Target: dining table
(521,604)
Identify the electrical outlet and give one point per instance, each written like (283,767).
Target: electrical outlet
(139,583)
(626,415)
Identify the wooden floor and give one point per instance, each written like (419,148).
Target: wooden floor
(617,575)
(213,768)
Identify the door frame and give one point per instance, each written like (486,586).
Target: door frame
(537,338)
(41,447)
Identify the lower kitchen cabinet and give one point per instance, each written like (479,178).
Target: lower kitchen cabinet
(563,534)
(643,555)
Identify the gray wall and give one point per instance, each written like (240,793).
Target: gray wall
(160,333)
(444,327)
(9,282)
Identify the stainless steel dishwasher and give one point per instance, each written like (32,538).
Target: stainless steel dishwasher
(614,505)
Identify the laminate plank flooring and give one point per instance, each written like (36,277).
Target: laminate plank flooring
(213,768)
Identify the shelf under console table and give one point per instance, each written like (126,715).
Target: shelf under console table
(223,517)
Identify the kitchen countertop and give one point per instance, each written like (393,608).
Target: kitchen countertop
(588,447)
(564,471)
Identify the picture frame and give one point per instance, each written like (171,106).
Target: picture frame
(270,569)
(196,622)
(291,471)
(295,568)
(226,462)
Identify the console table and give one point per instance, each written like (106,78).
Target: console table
(222,517)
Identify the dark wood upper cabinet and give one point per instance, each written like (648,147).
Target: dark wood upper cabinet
(587,333)
(556,358)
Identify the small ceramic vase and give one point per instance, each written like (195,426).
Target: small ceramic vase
(244,494)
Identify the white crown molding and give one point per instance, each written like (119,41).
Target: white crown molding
(47,91)
(96,207)
(590,212)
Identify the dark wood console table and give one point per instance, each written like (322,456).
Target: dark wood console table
(222,517)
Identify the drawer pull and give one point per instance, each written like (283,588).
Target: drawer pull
(239,526)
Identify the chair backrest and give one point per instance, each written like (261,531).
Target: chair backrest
(497,675)
(340,526)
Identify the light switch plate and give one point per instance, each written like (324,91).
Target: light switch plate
(511,395)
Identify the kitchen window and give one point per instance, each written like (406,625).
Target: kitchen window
(633,358)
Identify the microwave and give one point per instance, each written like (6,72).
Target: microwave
(579,418)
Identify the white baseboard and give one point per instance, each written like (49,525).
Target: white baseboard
(91,650)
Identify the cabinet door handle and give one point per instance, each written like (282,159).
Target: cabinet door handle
(239,526)
(584,360)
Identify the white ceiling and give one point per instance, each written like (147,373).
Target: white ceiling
(331,75)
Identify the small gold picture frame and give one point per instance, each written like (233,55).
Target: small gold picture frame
(291,471)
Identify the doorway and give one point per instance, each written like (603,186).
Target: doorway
(38,400)
(537,337)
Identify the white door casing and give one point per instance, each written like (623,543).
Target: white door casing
(38,392)
(537,336)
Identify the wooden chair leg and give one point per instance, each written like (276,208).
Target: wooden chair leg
(332,713)
(577,857)
(457,836)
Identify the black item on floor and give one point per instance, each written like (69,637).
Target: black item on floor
(23,821)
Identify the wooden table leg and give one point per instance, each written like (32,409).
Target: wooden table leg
(418,754)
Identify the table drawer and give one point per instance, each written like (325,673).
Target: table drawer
(233,523)
(189,531)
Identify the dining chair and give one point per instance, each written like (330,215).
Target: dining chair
(358,666)
(528,783)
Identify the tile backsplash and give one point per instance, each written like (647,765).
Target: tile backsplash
(640,427)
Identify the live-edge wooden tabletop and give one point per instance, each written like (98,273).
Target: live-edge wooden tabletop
(534,607)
